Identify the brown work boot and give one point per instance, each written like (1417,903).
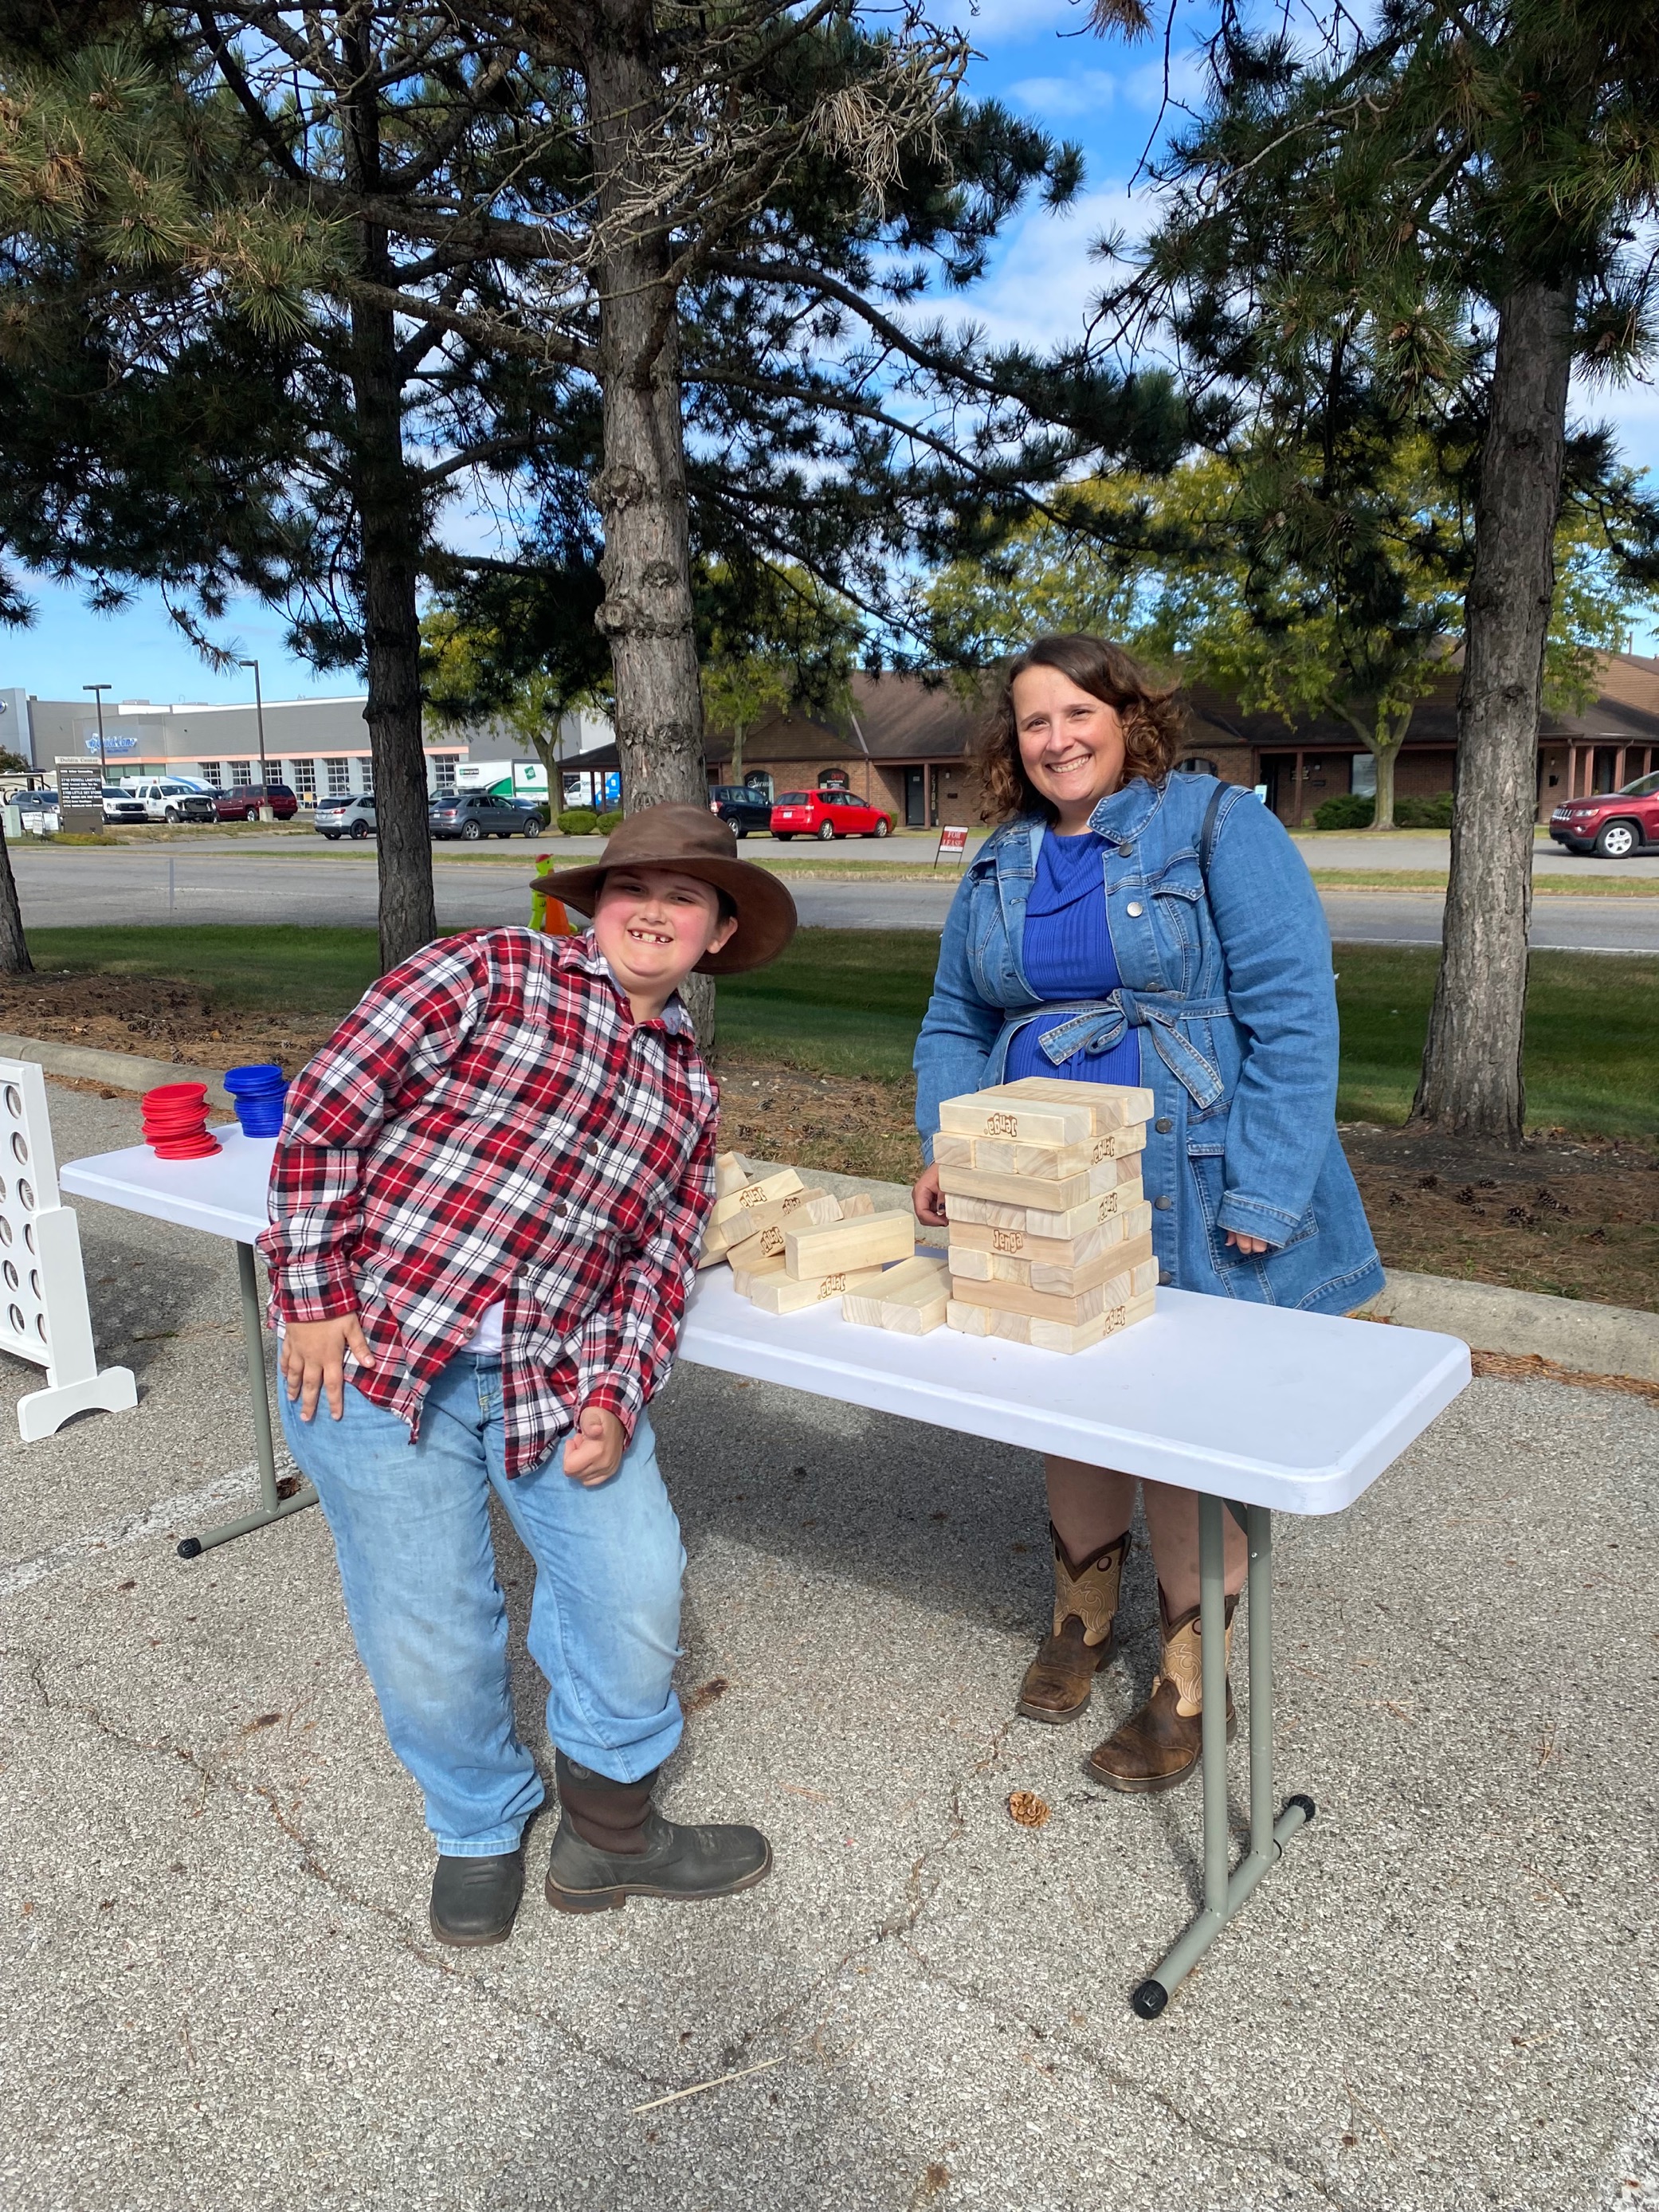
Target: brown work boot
(611,1843)
(1159,1746)
(1058,1681)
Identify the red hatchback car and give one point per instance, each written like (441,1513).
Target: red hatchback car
(826,814)
(1615,825)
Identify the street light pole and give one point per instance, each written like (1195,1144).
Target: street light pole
(266,812)
(98,691)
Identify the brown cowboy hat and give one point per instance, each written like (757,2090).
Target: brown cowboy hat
(693,841)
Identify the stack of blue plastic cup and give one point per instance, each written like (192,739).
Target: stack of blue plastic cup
(258,1091)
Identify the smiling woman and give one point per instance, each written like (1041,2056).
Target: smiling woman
(1125,925)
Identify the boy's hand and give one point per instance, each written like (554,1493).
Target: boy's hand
(596,1446)
(314,1361)
(929,1206)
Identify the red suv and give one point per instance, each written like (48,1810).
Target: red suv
(1615,825)
(242,801)
(826,814)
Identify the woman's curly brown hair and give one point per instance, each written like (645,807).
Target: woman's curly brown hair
(1154,722)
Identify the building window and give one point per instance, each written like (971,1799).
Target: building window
(339,778)
(212,773)
(443,770)
(241,774)
(305,779)
(367,767)
(1196,765)
(1364,785)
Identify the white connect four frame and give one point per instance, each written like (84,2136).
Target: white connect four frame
(43,1288)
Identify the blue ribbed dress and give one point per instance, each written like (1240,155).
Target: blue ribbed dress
(1067,954)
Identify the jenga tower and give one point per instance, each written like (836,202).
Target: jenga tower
(1051,1239)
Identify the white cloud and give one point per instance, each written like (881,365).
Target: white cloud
(1004,23)
(1087,92)
(1040,292)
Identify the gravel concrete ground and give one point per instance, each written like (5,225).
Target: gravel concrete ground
(221,1989)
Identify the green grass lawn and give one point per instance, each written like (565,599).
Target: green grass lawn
(849,1002)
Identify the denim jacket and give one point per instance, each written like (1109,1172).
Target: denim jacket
(1228,981)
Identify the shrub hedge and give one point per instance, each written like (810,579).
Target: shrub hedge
(1353,811)
(577,822)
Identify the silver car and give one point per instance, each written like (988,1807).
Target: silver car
(352,817)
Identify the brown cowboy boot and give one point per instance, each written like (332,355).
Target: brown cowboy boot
(1058,1681)
(1159,1746)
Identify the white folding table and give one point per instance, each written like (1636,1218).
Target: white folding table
(1257,1409)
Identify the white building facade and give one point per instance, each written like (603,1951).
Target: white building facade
(319,747)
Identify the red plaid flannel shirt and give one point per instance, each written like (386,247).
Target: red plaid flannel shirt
(491,1123)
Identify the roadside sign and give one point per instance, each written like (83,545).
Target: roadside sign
(954,841)
(80,796)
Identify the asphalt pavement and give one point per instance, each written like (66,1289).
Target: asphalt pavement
(221,1989)
(202,885)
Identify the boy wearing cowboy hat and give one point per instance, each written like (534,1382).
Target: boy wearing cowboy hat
(486,1209)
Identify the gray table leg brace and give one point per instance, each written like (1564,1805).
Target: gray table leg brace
(1224,1891)
(272,1505)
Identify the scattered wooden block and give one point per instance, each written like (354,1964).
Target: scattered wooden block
(783,1293)
(1034,1221)
(950,1152)
(761,1269)
(1138,1274)
(995,1112)
(855,1208)
(756,1194)
(758,1255)
(1112,1104)
(800,1209)
(867,1241)
(1049,1336)
(909,1299)
(1062,1277)
(730,1174)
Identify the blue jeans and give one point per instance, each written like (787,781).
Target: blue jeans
(411,1524)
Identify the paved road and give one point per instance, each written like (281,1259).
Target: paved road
(65,889)
(1408,849)
(220,1990)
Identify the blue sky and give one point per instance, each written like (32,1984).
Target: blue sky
(1035,55)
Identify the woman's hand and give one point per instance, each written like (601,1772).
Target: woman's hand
(596,1446)
(925,1197)
(314,1361)
(1248,1245)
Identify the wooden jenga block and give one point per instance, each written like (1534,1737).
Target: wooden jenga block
(784,1293)
(1034,1221)
(800,1209)
(854,1208)
(1057,1195)
(909,1299)
(744,1278)
(1049,1336)
(1027,1122)
(971,1266)
(1052,1163)
(950,1152)
(730,1174)
(869,1241)
(1131,1220)
(756,1194)
(1113,1105)
(1138,1275)
(761,1254)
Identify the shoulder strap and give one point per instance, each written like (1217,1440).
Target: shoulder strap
(1207,835)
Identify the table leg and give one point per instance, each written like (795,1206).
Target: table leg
(272,1505)
(1223,1892)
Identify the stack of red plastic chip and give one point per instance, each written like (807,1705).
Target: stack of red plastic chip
(175,1122)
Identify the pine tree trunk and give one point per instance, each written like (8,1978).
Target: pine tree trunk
(14,946)
(646,611)
(1472,1079)
(389,527)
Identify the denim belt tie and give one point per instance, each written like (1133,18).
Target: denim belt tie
(1095,1026)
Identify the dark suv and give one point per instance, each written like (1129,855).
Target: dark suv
(744,806)
(475,814)
(1616,825)
(242,802)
